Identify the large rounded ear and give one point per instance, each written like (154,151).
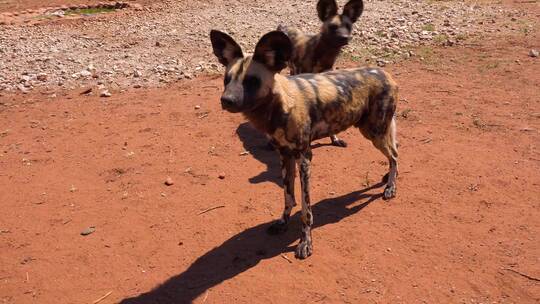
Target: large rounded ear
(225,48)
(326,9)
(273,50)
(353,9)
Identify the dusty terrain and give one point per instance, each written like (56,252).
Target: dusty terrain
(464,227)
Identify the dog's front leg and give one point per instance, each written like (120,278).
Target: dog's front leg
(305,248)
(288,170)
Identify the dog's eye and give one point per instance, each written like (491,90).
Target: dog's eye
(252,83)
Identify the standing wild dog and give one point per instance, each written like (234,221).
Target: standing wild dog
(296,110)
(318,53)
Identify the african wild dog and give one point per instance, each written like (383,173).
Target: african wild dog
(296,110)
(318,53)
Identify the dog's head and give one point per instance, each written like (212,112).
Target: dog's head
(249,80)
(337,29)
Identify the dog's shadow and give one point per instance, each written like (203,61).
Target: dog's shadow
(257,144)
(246,249)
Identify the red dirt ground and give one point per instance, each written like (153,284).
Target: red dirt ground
(465,223)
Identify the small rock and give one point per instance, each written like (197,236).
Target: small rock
(105,93)
(534,53)
(244,153)
(85,73)
(169,181)
(137,74)
(197,107)
(42,77)
(25,78)
(158,44)
(87,91)
(88,231)
(221,176)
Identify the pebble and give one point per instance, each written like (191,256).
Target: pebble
(42,77)
(197,107)
(221,176)
(85,73)
(105,93)
(88,231)
(534,53)
(169,181)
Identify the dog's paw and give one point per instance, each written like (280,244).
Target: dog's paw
(277,227)
(389,192)
(303,250)
(339,143)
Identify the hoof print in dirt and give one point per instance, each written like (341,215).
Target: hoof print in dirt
(278,227)
(304,250)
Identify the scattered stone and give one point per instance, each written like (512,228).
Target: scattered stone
(88,231)
(85,73)
(105,93)
(137,74)
(169,181)
(87,91)
(221,176)
(197,107)
(534,53)
(42,77)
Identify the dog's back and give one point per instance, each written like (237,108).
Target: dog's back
(331,102)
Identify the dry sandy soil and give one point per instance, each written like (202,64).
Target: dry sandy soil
(464,227)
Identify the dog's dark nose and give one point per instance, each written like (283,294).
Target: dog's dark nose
(227,101)
(343,39)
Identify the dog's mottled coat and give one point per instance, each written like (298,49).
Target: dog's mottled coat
(296,110)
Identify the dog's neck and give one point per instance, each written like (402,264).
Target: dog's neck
(325,52)
(264,114)
(269,114)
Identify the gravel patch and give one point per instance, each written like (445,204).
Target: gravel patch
(168,41)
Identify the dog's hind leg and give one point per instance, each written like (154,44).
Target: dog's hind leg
(388,146)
